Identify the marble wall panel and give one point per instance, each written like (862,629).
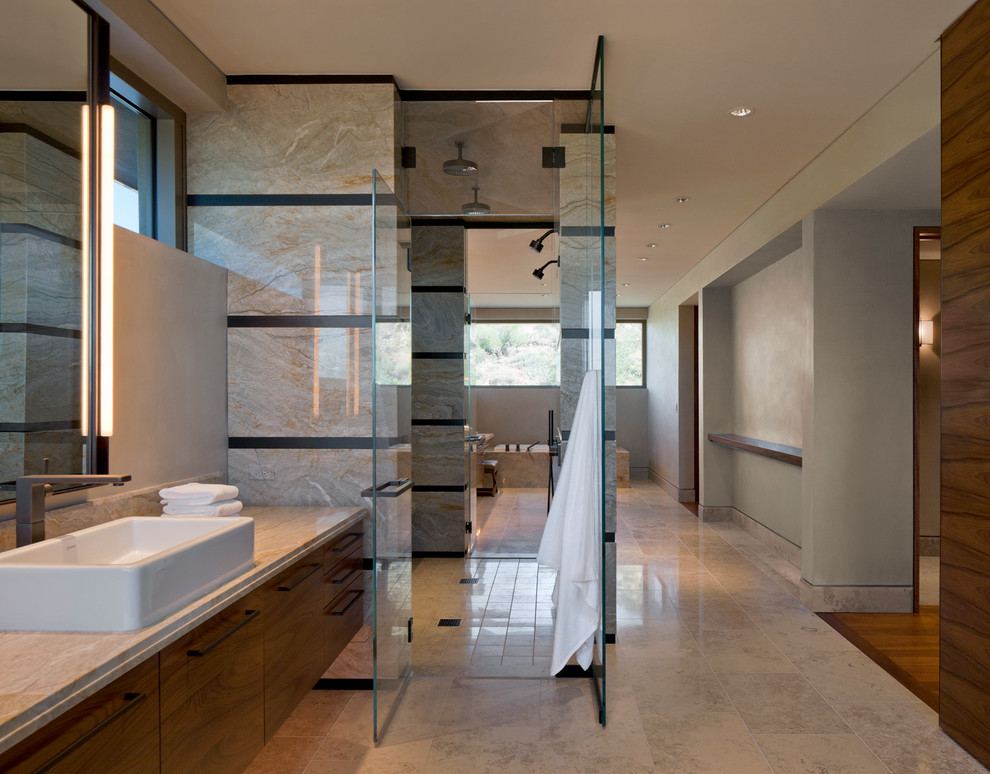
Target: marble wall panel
(505,139)
(13,356)
(40,281)
(334,477)
(41,168)
(287,259)
(64,449)
(294,139)
(51,378)
(439,455)
(438,256)
(11,456)
(438,520)
(299,382)
(580,186)
(58,120)
(574,364)
(438,322)
(440,391)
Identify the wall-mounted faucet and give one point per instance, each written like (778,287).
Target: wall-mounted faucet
(31,493)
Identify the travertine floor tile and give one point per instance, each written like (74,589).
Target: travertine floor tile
(819,754)
(702,743)
(781,704)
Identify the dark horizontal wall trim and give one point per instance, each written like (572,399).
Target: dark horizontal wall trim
(474,95)
(42,96)
(584,333)
(41,233)
(440,487)
(39,427)
(40,330)
(41,137)
(582,129)
(344,684)
(609,537)
(302,321)
(438,289)
(459,422)
(438,355)
(586,231)
(483,221)
(272,79)
(355,442)
(438,554)
(279,200)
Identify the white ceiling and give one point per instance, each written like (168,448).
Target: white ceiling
(673,70)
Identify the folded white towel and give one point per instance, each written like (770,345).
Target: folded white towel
(226,508)
(198,494)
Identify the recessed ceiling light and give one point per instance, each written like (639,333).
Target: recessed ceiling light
(625,284)
(546,295)
(651,244)
(680,199)
(663,225)
(544,284)
(740,111)
(643,258)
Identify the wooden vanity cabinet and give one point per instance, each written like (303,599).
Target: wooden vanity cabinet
(294,642)
(343,596)
(114,731)
(212,693)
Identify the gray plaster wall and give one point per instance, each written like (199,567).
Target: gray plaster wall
(770,329)
(858,519)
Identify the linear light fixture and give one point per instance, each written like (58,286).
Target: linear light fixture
(84,294)
(106,268)
(926,332)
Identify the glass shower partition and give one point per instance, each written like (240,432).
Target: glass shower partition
(391,492)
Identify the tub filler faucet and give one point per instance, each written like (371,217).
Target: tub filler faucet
(31,493)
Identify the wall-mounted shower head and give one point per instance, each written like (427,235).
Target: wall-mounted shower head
(460,166)
(476,207)
(538,273)
(537,244)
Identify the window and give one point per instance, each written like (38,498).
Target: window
(629,354)
(149,163)
(515,354)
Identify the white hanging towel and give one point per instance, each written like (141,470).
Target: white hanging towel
(198,494)
(572,538)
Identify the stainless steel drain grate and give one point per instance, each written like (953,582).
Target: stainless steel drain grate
(449,622)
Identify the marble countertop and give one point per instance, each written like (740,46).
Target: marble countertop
(43,674)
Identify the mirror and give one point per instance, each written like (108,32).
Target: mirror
(46,229)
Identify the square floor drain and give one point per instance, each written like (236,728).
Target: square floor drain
(449,622)
(470,580)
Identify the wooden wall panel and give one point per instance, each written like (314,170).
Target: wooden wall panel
(964,650)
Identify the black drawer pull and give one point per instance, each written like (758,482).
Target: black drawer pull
(312,568)
(132,699)
(251,615)
(346,578)
(357,595)
(354,538)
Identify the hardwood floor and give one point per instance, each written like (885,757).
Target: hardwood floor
(904,644)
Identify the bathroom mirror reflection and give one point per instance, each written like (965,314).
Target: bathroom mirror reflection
(42,113)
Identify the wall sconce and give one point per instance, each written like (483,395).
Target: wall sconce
(926,332)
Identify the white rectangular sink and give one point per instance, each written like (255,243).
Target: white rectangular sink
(122,575)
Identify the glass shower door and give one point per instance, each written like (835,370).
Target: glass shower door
(391,492)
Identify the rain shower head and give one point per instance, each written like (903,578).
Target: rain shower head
(476,207)
(538,273)
(537,244)
(460,166)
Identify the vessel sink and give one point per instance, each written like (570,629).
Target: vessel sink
(122,575)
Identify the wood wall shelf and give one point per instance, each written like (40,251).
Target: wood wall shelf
(775,451)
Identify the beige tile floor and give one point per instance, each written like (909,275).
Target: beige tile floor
(716,670)
(511,523)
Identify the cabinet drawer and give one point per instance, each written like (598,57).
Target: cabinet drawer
(212,693)
(347,570)
(114,731)
(343,617)
(294,652)
(340,547)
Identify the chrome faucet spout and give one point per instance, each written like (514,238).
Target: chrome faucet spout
(31,493)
